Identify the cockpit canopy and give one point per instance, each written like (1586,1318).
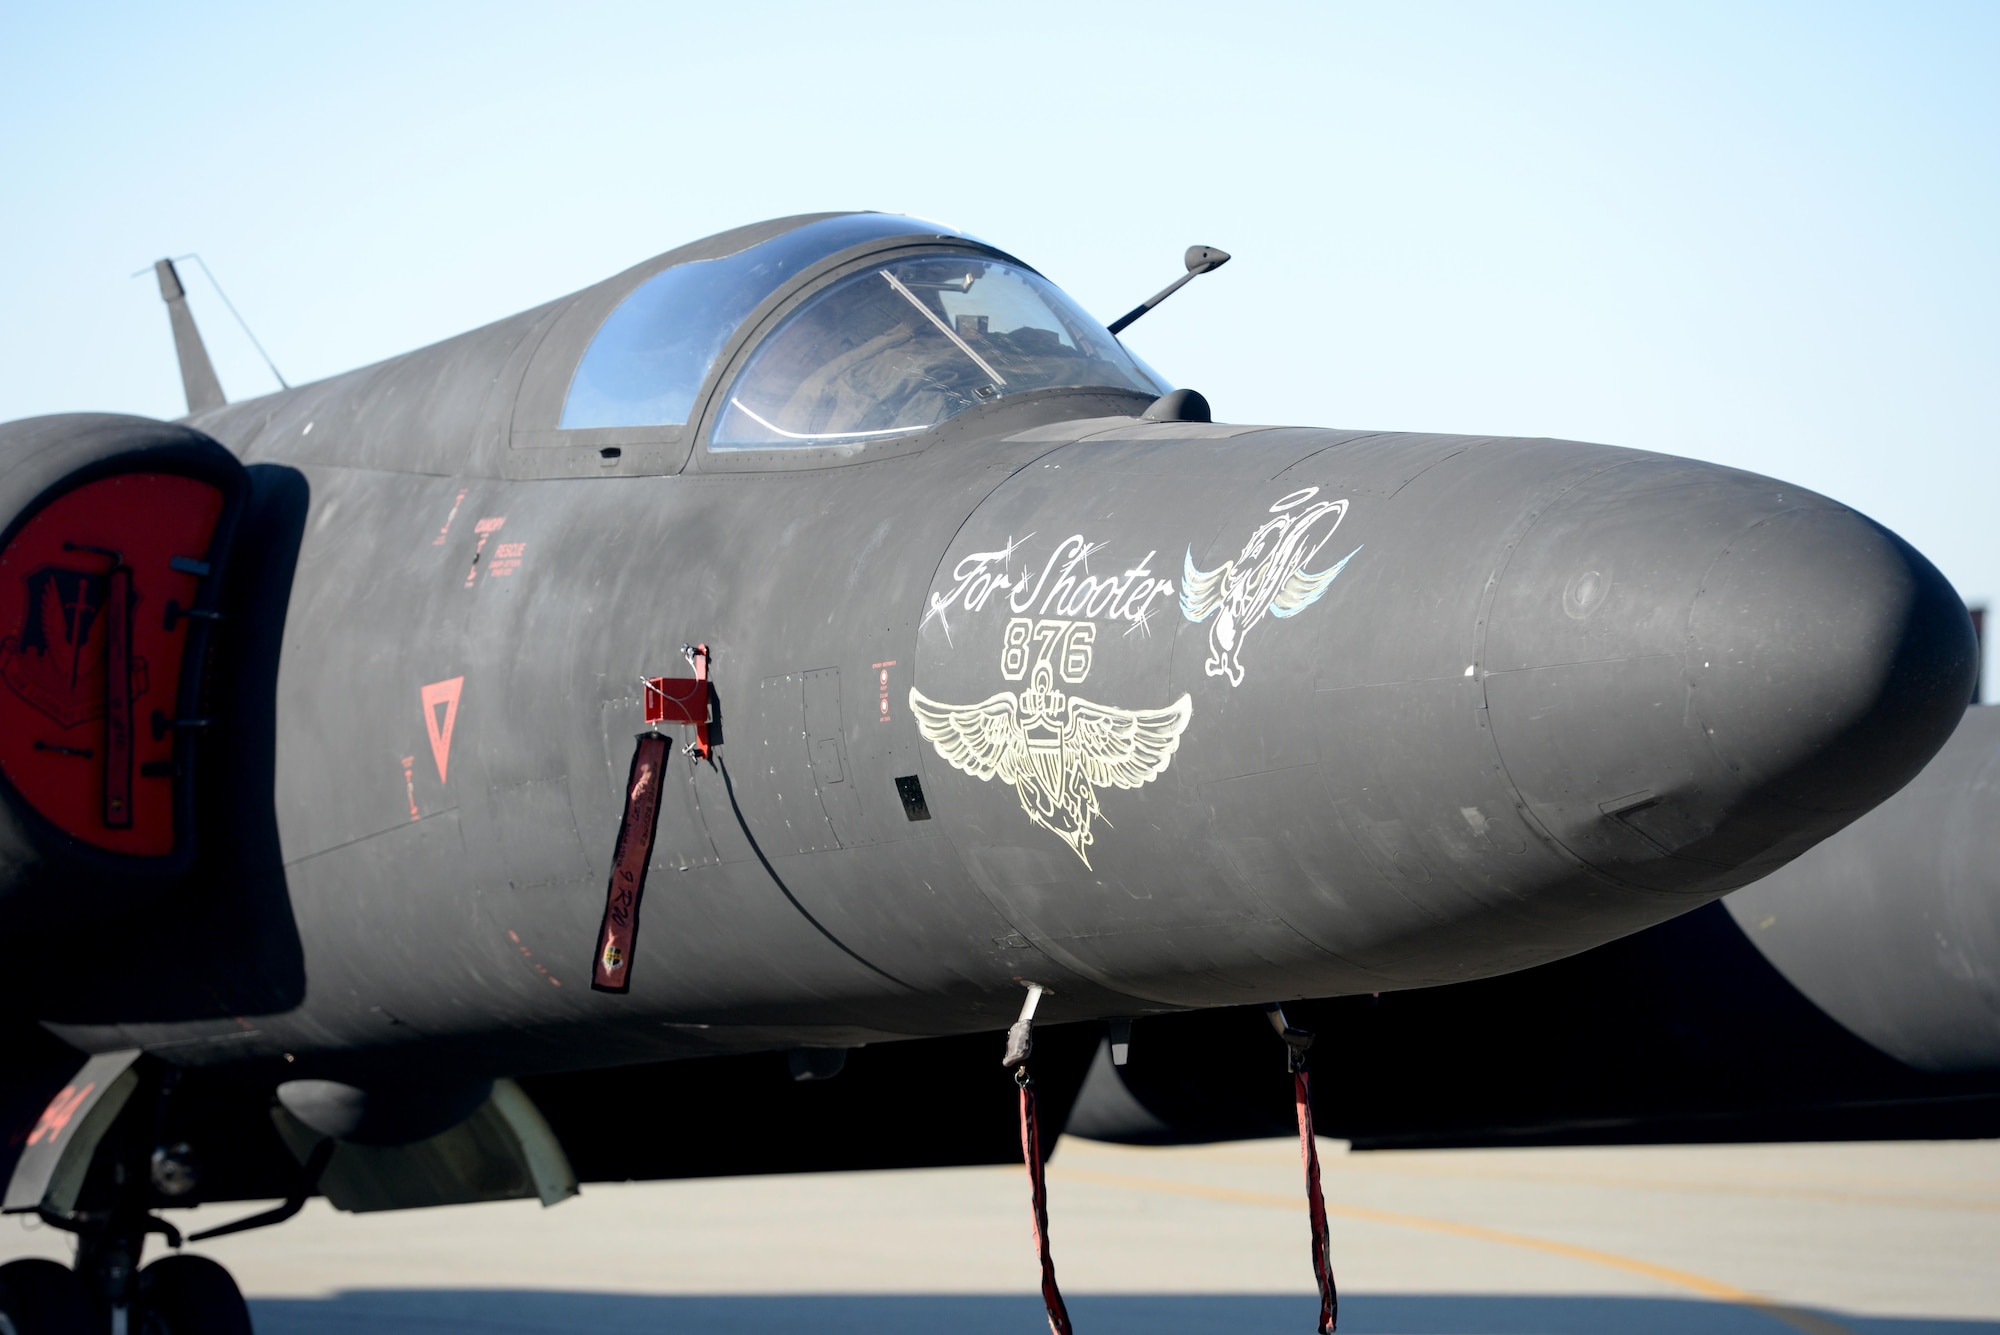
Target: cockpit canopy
(899,348)
(894,348)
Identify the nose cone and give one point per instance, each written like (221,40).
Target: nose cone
(1695,674)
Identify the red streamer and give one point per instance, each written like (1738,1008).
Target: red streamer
(1031,1152)
(618,934)
(1329,1299)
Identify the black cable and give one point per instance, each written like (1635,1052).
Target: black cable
(786,890)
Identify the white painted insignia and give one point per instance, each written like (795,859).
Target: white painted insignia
(1055,749)
(1268,576)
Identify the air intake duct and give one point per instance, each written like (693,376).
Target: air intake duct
(116,532)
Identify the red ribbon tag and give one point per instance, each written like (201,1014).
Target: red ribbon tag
(618,936)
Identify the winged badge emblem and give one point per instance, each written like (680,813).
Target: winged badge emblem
(1269,576)
(1056,749)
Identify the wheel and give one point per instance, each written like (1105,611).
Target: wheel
(39,1297)
(189,1295)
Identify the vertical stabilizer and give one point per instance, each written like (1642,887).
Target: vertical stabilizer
(204,391)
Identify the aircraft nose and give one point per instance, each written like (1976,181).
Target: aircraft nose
(1693,674)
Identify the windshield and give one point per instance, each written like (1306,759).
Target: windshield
(906,345)
(649,358)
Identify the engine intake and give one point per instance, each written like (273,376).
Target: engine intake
(110,570)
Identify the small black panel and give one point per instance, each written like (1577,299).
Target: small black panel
(911,790)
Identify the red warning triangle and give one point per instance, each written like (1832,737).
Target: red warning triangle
(439,721)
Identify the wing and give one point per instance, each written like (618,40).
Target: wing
(1124,748)
(1201,591)
(983,739)
(1304,588)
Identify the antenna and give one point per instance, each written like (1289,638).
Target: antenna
(198,377)
(198,380)
(245,324)
(1199,260)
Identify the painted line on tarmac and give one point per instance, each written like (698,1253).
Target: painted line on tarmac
(1810,1323)
(1773,1191)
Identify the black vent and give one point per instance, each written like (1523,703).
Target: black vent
(911,790)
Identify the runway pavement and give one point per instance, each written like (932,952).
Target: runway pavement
(1889,1239)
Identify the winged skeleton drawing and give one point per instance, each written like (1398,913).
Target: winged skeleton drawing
(1268,576)
(1056,749)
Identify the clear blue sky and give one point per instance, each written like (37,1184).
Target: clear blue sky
(1767,235)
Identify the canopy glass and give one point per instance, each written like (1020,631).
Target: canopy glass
(903,346)
(650,357)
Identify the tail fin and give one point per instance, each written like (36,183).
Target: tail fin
(198,378)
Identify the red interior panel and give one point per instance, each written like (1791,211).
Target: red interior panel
(79,681)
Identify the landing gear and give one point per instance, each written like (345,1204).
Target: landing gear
(189,1295)
(133,1171)
(108,1244)
(175,1295)
(39,1297)
(107,1188)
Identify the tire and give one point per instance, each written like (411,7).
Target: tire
(189,1295)
(39,1297)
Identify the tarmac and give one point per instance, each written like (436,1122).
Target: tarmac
(1873,1239)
